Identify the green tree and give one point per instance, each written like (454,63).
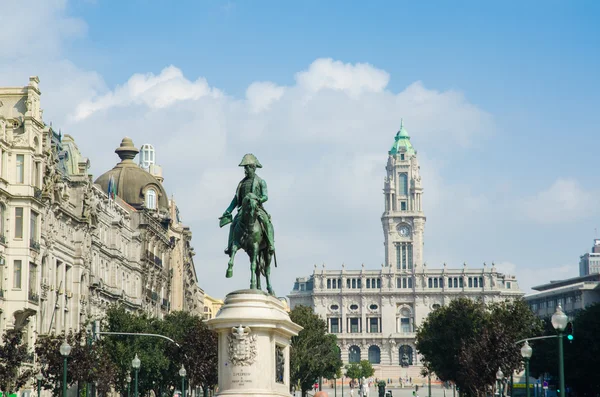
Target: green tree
(466,342)
(197,352)
(314,352)
(13,353)
(86,364)
(357,371)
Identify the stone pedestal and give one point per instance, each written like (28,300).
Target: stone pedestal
(254,345)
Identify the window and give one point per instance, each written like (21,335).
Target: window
(33,227)
(151,199)
(368,283)
(410,283)
(403,205)
(401,156)
(405,325)
(19,222)
(404,256)
(353,283)
(2,215)
(373,307)
(403,183)
(359,283)
(406,355)
(33,278)
(354,306)
(373,325)
(430,283)
(328,283)
(334,325)
(374,354)
(378,283)
(470,282)
(508,285)
(354,325)
(354,354)
(20,168)
(461,282)
(17,272)
(334,307)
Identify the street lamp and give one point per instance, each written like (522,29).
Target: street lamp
(65,350)
(39,378)
(182,373)
(128,384)
(135,363)
(499,377)
(526,352)
(559,322)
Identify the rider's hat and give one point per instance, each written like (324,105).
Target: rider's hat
(250,159)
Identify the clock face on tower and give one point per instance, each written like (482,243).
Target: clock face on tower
(403,230)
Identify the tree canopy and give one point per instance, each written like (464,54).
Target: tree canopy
(360,370)
(13,353)
(467,341)
(314,353)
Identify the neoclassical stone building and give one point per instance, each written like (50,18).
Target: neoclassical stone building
(70,247)
(375,312)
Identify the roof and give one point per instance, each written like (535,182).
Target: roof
(402,142)
(131,181)
(566,282)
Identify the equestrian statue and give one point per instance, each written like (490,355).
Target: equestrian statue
(251,228)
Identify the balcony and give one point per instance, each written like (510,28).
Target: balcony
(33,297)
(34,245)
(154,259)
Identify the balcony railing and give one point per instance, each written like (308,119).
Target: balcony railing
(153,258)
(33,297)
(34,245)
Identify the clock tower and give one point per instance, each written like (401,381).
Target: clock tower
(403,219)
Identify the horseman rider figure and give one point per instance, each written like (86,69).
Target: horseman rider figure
(252,183)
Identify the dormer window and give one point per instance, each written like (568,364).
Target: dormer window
(151,199)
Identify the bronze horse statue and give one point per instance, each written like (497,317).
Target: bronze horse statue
(249,235)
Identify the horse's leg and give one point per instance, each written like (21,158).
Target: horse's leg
(268,274)
(252,256)
(258,282)
(234,249)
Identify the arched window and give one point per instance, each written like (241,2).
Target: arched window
(406,355)
(374,354)
(354,354)
(151,199)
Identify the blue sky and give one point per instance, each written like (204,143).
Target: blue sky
(501,101)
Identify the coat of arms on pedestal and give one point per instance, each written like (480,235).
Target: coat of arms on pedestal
(242,346)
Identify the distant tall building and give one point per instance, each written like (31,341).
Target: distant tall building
(589,263)
(375,312)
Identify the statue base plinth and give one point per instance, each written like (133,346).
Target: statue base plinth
(255,334)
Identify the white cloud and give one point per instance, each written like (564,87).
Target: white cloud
(336,75)
(565,201)
(154,91)
(262,94)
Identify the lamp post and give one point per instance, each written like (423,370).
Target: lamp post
(65,350)
(135,363)
(559,322)
(182,373)
(128,384)
(499,377)
(526,352)
(39,378)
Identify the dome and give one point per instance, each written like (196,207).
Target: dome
(135,186)
(402,142)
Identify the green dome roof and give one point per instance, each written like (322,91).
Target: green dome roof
(131,181)
(402,140)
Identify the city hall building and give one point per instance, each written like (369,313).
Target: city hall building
(375,312)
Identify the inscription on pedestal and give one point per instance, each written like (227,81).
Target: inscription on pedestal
(241,378)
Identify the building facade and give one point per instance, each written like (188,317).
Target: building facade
(375,312)
(70,247)
(589,263)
